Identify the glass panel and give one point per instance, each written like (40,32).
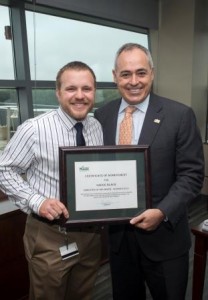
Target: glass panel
(6,55)
(105,95)
(9,115)
(44,100)
(65,40)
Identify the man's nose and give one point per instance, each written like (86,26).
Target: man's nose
(79,94)
(134,79)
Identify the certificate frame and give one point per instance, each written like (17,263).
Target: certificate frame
(70,159)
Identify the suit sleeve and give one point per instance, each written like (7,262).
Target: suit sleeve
(188,166)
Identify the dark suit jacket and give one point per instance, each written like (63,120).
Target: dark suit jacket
(177,172)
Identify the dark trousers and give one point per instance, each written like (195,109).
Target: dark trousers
(130,269)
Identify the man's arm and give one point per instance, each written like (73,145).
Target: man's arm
(189,175)
(14,162)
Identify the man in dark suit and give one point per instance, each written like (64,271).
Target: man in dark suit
(154,247)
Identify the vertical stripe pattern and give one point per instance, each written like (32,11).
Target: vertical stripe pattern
(34,152)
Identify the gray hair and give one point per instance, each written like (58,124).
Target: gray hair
(131,46)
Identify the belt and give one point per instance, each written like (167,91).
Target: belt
(92,228)
(44,220)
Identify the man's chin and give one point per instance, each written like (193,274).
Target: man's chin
(134,100)
(80,115)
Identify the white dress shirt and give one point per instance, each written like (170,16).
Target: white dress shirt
(34,151)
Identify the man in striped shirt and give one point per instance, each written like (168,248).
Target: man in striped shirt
(34,152)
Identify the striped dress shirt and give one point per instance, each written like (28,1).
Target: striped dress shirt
(34,152)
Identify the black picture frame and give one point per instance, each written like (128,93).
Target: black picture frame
(69,157)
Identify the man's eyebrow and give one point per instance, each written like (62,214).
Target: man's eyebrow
(141,69)
(138,70)
(87,86)
(125,71)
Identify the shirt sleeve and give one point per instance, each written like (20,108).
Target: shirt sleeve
(16,158)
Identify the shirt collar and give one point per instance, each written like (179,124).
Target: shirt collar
(69,121)
(141,106)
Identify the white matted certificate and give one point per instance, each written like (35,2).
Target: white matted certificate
(105,185)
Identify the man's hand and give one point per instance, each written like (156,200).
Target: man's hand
(53,209)
(149,219)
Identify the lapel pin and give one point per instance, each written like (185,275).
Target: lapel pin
(156,121)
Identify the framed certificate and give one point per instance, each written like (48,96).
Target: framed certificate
(105,184)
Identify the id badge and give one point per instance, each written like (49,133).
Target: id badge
(68,250)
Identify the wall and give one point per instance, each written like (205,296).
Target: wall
(200,64)
(180,52)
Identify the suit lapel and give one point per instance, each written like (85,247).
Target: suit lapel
(152,122)
(111,123)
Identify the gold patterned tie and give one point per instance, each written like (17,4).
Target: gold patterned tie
(126,126)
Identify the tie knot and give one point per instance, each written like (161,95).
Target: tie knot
(130,109)
(78,126)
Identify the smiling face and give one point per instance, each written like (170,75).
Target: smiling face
(133,75)
(76,93)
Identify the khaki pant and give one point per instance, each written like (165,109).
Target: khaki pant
(52,278)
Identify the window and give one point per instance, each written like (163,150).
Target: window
(9,116)
(51,39)
(43,100)
(54,41)
(64,40)
(6,56)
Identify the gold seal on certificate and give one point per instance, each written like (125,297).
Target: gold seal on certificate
(104,184)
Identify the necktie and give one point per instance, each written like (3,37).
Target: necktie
(126,126)
(79,137)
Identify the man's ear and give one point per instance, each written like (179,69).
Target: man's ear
(114,76)
(153,74)
(57,94)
